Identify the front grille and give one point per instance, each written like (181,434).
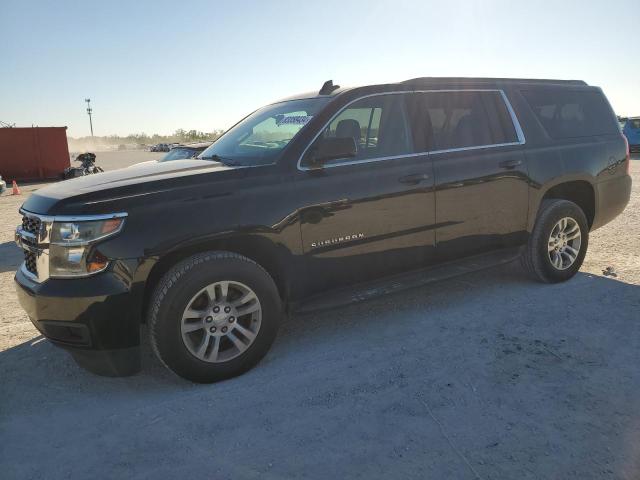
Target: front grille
(29,236)
(31,224)
(30,262)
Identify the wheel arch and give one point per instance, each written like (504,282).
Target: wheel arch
(269,255)
(580,191)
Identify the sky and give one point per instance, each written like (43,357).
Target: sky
(154,67)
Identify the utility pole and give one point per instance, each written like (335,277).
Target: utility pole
(89,110)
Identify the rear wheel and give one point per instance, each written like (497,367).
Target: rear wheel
(558,244)
(213,316)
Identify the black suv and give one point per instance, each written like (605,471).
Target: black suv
(357,191)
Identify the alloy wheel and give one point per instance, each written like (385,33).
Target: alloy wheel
(564,243)
(221,321)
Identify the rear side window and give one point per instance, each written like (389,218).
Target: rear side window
(571,113)
(633,124)
(466,119)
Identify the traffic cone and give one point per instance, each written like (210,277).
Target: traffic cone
(16,190)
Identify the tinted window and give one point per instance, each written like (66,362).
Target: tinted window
(633,124)
(467,119)
(377,124)
(571,113)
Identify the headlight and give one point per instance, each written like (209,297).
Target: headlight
(83,232)
(71,250)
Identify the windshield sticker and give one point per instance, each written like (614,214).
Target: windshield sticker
(292,120)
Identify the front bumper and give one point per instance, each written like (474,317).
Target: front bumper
(96,318)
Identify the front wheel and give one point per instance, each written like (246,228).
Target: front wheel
(558,244)
(213,316)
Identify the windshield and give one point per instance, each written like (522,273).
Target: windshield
(179,154)
(259,138)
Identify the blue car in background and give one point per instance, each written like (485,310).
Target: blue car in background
(631,130)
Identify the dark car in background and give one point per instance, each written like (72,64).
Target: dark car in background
(159,147)
(184,151)
(179,152)
(631,130)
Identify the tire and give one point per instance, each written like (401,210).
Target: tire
(537,257)
(178,349)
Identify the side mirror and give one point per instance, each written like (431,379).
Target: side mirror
(331,148)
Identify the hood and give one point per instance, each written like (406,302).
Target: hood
(147,162)
(136,174)
(92,192)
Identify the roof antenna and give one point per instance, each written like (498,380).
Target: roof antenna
(328,87)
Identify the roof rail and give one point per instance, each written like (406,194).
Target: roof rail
(470,80)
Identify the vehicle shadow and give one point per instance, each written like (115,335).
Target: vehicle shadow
(11,257)
(505,290)
(512,369)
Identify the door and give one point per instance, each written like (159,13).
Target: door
(371,215)
(481,178)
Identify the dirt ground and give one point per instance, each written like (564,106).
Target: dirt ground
(490,376)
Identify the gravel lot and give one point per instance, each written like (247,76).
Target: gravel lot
(490,375)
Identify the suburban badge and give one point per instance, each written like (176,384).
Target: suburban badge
(333,241)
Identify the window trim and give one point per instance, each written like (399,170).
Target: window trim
(512,114)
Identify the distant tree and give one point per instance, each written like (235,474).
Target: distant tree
(114,141)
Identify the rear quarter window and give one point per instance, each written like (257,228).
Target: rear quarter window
(572,113)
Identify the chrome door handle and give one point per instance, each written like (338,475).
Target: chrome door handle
(414,178)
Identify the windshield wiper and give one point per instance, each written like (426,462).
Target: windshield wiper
(223,160)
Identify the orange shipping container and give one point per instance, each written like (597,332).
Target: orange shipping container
(33,153)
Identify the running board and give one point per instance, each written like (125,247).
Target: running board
(405,281)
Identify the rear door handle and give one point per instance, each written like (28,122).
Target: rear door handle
(414,178)
(510,164)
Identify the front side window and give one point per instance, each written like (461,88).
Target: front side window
(260,138)
(377,124)
(465,119)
